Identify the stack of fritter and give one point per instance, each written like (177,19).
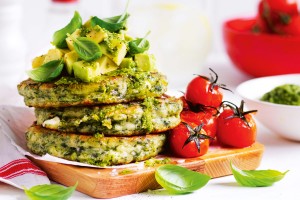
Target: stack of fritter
(98,96)
(102,123)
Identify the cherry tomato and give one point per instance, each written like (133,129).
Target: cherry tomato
(293,28)
(277,12)
(207,117)
(188,140)
(235,127)
(260,26)
(288,7)
(205,91)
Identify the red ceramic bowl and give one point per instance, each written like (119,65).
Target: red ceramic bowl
(260,54)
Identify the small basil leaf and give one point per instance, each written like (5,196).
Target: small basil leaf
(180,180)
(256,178)
(53,192)
(87,49)
(112,24)
(59,37)
(139,45)
(47,71)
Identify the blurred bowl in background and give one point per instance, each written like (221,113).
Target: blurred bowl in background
(180,38)
(260,54)
(280,119)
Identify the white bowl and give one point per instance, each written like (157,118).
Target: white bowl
(283,120)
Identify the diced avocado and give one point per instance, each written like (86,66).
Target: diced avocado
(145,62)
(97,34)
(114,47)
(64,51)
(69,41)
(87,24)
(53,54)
(106,65)
(86,71)
(127,63)
(127,37)
(69,59)
(38,61)
(122,34)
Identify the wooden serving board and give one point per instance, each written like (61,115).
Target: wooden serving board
(114,182)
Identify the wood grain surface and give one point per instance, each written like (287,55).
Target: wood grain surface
(115,182)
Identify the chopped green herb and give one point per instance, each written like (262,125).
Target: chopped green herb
(153,162)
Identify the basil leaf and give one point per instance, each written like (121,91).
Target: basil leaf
(139,45)
(256,178)
(87,49)
(59,37)
(47,71)
(53,192)
(180,180)
(112,24)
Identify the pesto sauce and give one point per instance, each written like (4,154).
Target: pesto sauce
(126,171)
(67,80)
(153,162)
(287,94)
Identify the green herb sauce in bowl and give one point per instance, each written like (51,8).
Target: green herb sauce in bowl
(288,94)
(281,119)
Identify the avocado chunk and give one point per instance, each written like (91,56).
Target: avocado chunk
(127,63)
(53,54)
(87,24)
(69,59)
(127,37)
(106,65)
(97,34)
(145,62)
(86,71)
(69,40)
(114,47)
(38,61)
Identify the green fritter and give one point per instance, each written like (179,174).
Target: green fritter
(135,118)
(94,150)
(116,87)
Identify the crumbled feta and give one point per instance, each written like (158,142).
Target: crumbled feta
(52,123)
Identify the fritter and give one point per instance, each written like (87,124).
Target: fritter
(135,118)
(110,88)
(94,150)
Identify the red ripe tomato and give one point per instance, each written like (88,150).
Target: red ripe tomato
(293,28)
(277,12)
(260,26)
(235,127)
(205,91)
(208,118)
(288,7)
(188,141)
